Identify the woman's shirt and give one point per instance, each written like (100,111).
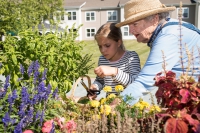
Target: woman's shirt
(128,68)
(167,45)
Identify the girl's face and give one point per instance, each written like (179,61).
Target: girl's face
(143,29)
(109,48)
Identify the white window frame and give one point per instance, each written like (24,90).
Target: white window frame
(112,11)
(90,16)
(128,33)
(90,32)
(183,8)
(71,15)
(59,18)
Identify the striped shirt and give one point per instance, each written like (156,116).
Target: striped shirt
(128,68)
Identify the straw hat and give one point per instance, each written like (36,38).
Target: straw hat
(138,9)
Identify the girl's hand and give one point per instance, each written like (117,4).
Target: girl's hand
(91,94)
(103,71)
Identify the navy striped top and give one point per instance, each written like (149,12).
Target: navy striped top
(128,68)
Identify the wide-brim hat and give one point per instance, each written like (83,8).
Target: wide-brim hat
(138,9)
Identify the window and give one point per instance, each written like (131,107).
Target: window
(112,15)
(185,12)
(90,16)
(71,15)
(90,32)
(60,16)
(126,31)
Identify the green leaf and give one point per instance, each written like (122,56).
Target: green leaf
(14,59)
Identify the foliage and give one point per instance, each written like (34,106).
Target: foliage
(19,15)
(181,99)
(25,106)
(61,55)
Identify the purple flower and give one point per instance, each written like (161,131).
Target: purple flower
(18,128)
(30,69)
(53,128)
(44,74)
(6,119)
(7,83)
(37,115)
(55,93)
(36,66)
(41,118)
(24,95)
(21,69)
(35,99)
(22,109)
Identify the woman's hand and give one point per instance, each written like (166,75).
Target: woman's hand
(103,71)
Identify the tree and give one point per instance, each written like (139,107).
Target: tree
(17,15)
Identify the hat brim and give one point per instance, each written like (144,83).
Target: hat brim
(144,14)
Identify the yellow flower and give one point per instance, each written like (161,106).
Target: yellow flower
(155,108)
(111,96)
(141,105)
(119,88)
(107,89)
(95,103)
(105,109)
(144,105)
(103,100)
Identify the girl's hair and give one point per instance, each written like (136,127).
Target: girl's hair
(110,31)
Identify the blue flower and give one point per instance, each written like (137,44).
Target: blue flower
(21,69)
(6,119)
(44,74)
(30,69)
(18,128)
(55,93)
(7,83)
(24,95)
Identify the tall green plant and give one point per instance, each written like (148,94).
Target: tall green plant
(17,15)
(59,53)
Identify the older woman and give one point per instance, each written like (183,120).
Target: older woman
(148,21)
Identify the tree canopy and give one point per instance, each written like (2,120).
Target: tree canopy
(17,15)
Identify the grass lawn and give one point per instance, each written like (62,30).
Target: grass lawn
(91,47)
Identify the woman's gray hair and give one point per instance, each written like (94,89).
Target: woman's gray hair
(162,16)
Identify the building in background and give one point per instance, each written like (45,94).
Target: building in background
(91,14)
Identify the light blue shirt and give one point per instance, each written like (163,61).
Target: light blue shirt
(168,41)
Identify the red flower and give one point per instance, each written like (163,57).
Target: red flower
(47,126)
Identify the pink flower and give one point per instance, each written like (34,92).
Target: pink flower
(70,126)
(60,121)
(47,126)
(28,131)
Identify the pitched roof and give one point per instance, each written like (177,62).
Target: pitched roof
(70,3)
(93,3)
(175,2)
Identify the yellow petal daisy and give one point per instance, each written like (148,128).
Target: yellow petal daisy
(107,89)
(95,103)
(155,108)
(105,109)
(103,100)
(119,88)
(111,96)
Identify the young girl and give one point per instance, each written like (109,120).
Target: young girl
(116,65)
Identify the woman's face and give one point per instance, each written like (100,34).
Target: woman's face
(109,48)
(143,29)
